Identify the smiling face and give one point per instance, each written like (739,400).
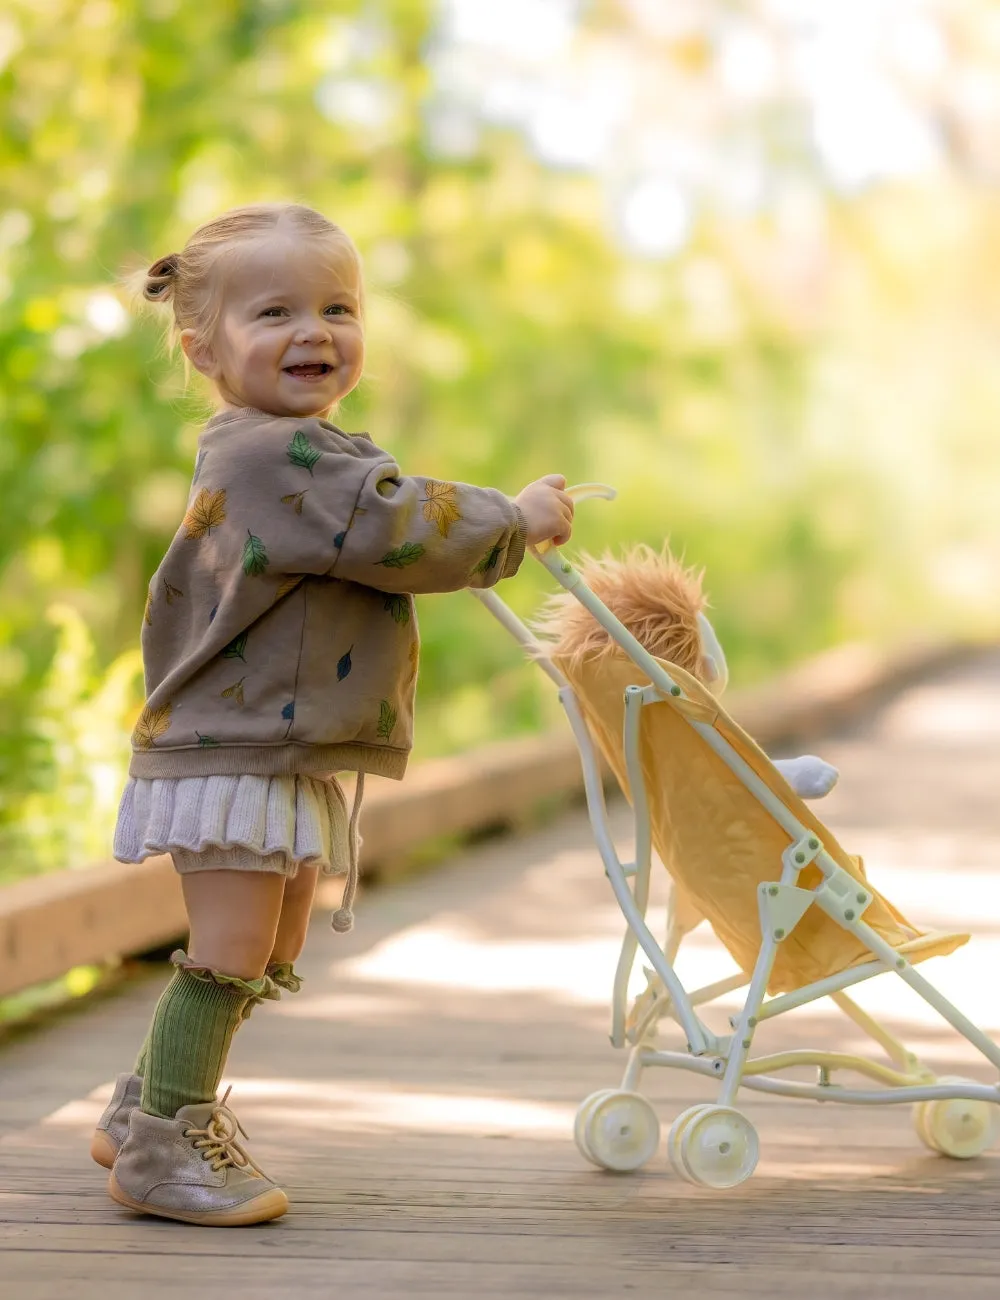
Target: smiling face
(288,339)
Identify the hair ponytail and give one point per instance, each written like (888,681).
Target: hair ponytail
(159,279)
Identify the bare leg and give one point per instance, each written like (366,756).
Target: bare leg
(234,919)
(293,923)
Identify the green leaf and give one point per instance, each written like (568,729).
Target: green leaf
(489,561)
(302,453)
(234,650)
(255,559)
(206,742)
(344,665)
(386,720)
(399,608)
(408,553)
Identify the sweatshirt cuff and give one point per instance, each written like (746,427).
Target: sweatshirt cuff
(516,545)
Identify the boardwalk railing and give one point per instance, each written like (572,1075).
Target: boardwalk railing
(51,923)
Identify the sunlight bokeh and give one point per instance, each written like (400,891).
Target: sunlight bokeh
(740,261)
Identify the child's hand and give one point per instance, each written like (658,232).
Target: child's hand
(547,510)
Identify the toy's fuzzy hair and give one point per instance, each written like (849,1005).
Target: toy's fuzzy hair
(651,592)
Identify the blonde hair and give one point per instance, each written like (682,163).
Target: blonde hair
(651,592)
(189,280)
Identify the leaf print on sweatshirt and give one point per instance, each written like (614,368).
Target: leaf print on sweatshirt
(302,453)
(294,499)
(344,665)
(489,560)
(414,656)
(207,512)
(146,612)
(234,650)
(341,537)
(441,505)
(288,583)
(207,742)
(401,556)
(255,559)
(399,608)
(386,720)
(172,593)
(234,692)
(152,724)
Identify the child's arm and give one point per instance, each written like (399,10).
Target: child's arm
(423,535)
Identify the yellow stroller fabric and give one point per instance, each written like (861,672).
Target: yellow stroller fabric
(716,839)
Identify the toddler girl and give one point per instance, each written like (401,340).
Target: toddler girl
(280,646)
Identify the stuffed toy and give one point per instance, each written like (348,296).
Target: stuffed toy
(662,604)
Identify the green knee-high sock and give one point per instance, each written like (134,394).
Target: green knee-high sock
(283,974)
(279,972)
(189,1039)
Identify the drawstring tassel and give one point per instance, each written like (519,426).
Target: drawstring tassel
(343,918)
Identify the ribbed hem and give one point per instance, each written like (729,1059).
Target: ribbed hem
(516,546)
(237,858)
(255,413)
(268,760)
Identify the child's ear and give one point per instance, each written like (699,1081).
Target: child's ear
(201,355)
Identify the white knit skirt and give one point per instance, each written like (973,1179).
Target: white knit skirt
(235,823)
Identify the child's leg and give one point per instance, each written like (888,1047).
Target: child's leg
(288,944)
(234,920)
(293,925)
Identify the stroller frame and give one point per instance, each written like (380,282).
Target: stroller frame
(715,1145)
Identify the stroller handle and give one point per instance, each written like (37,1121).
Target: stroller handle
(580,492)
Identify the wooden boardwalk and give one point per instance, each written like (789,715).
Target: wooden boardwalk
(417,1097)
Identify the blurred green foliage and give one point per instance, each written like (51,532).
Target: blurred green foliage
(509,336)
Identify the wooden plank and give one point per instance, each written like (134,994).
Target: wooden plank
(416,1098)
(48,924)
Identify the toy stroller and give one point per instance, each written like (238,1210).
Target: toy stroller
(744,852)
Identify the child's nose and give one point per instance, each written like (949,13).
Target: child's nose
(314,330)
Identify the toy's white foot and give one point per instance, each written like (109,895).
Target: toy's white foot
(810,777)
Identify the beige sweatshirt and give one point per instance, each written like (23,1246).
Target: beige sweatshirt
(279,634)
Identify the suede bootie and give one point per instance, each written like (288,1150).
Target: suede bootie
(112,1127)
(193,1168)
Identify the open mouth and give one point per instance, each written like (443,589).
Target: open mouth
(309,370)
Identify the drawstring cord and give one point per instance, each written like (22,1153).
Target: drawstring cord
(343,918)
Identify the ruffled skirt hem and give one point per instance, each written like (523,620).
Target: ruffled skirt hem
(239,823)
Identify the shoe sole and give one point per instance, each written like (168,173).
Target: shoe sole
(272,1205)
(102,1149)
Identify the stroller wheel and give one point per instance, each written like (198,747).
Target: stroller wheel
(620,1130)
(677,1130)
(714,1146)
(580,1123)
(955,1127)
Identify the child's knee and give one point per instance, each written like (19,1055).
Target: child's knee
(244,956)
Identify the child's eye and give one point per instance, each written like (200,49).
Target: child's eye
(273,311)
(338,309)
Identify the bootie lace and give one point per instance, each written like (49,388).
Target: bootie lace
(217,1141)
